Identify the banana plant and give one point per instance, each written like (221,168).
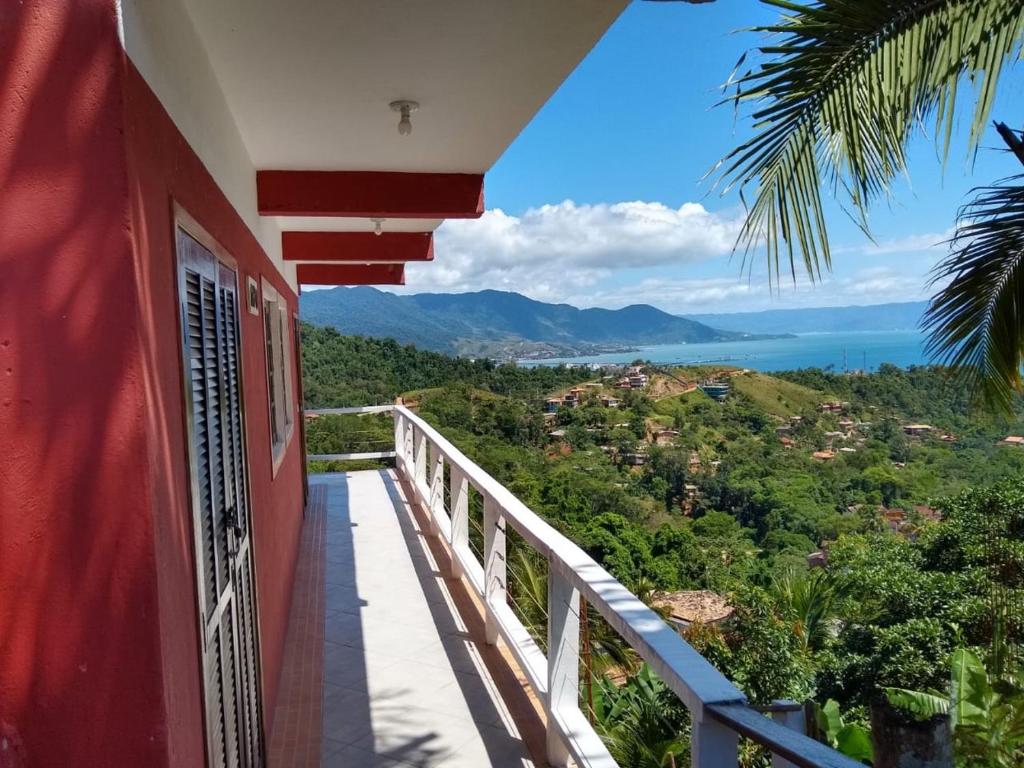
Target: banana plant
(986,712)
(849,738)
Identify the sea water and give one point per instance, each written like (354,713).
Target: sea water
(864,350)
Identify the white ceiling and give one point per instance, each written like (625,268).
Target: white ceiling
(309,81)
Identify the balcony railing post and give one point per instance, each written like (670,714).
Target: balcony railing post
(495,568)
(420,464)
(712,744)
(436,492)
(792,716)
(400,443)
(563,659)
(407,448)
(459,500)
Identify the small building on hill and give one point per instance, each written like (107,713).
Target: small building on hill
(689,607)
(716,390)
(818,559)
(918,430)
(823,455)
(665,436)
(1016,441)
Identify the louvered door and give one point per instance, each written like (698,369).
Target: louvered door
(220,506)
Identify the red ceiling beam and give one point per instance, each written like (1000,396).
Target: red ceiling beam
(350,274)
(370,194)
(358,247)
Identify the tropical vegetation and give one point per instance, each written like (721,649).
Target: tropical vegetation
(919,538)
(835,95)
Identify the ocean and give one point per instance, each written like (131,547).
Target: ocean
(856,350)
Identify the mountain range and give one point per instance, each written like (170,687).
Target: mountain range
(902,316)
(501,324)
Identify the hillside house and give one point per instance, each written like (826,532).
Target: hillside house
(665,437)
(832,406)
(783,429)
(716,390)
(610,402)
(818,559)
(552,404)
(787,442)
(694,607)
(634,458)
(846,425)
(823,456)
(1014,441)
(918,430)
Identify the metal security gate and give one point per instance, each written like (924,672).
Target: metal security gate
(220,506)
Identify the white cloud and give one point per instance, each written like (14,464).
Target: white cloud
(877,285)
(615,254)
(554,250)
(928,241)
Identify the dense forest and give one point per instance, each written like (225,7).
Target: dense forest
(904,497)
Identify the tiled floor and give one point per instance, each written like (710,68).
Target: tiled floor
(296,738)
(404,681)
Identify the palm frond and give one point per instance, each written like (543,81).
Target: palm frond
(976,322)
(841,87)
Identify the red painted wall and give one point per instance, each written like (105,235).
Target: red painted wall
(80,676)
(99,659)
(163,170)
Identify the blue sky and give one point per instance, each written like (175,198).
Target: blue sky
(600,202)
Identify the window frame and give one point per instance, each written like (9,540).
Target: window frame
(277,359)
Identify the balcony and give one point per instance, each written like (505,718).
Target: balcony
(403,647)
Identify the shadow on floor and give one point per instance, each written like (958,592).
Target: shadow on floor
(405,681)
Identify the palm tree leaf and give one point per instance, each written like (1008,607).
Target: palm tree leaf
(839,90)
(976,322)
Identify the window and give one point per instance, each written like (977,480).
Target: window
(279,370)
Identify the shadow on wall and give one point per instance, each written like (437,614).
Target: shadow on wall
(78,637)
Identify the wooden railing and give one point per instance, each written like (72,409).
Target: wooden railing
(718,710)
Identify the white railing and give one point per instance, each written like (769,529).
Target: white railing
(718,710)
(351,456)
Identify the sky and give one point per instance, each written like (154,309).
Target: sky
(600,201)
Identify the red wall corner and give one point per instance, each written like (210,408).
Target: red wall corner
(80,674)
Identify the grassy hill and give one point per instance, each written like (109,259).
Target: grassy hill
(777,396)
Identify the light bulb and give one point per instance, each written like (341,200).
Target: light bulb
(405,108)
(378,226)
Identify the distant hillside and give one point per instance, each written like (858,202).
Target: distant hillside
(902,316)
(500,324)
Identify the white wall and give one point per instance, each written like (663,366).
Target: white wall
(160,39)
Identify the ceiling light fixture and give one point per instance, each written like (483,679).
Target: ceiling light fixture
(405,108)
(378,226)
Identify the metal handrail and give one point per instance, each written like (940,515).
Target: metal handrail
(719,711)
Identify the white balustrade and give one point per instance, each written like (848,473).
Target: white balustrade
(718,710)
